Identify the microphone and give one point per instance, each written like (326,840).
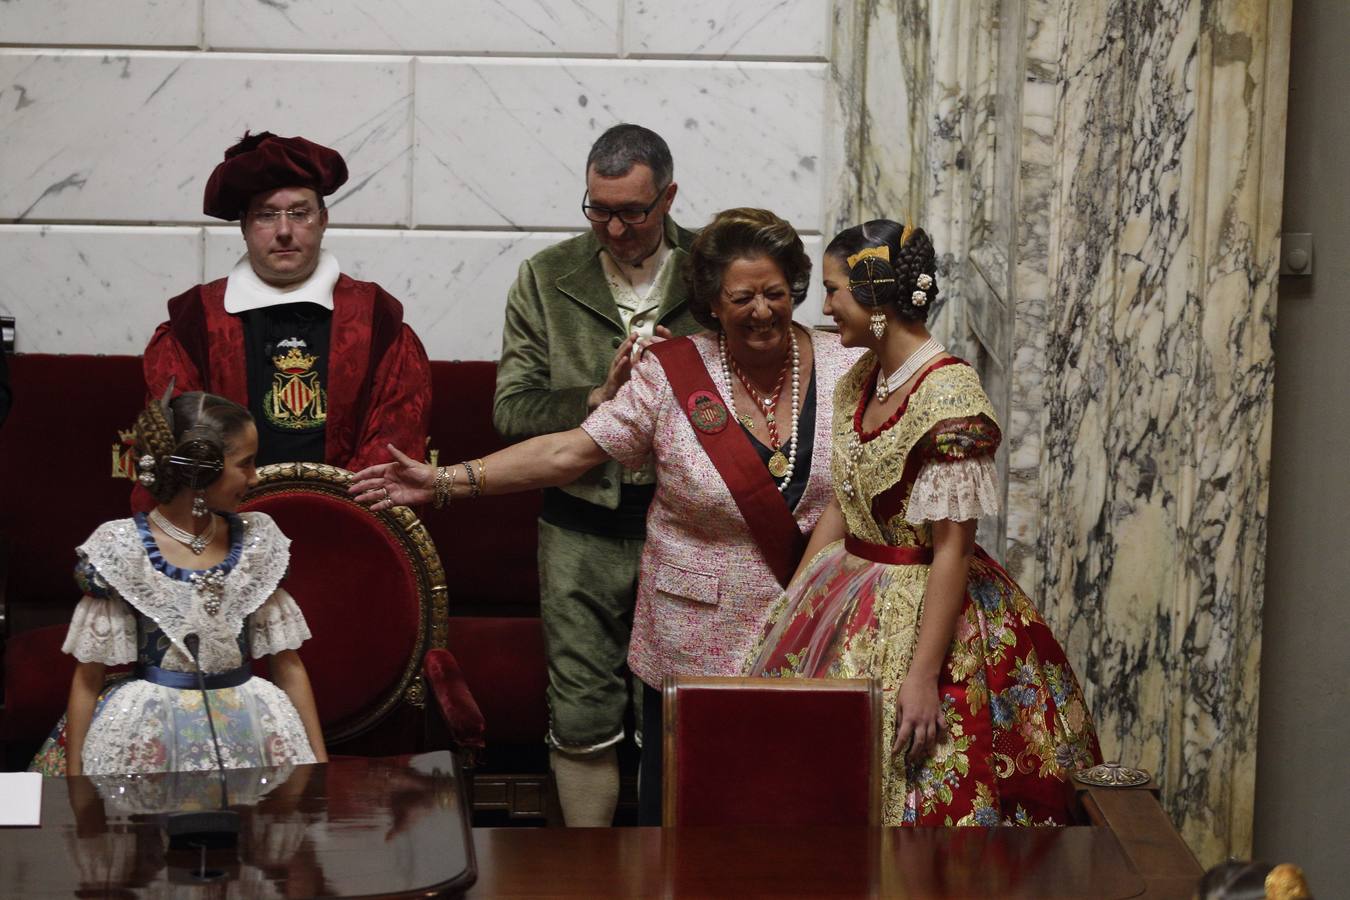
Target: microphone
(208,828)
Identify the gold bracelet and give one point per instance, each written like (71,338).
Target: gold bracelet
(437,500)
(482,476)
(445,482)
(473,479)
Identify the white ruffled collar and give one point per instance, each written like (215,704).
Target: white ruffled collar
(244,290)
(116,551)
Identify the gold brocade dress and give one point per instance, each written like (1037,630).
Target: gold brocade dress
(1017,724)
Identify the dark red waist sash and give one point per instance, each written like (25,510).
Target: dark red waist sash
(884,553)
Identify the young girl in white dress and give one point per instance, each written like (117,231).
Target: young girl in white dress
(190,567)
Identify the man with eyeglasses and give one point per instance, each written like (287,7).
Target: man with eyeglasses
(325,363)
(576,317)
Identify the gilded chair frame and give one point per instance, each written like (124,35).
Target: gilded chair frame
(280,479)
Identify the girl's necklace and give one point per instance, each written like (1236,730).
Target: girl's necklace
(197,543)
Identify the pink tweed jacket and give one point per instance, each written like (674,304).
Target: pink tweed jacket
(704,589)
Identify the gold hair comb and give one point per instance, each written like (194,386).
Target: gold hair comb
(883,252)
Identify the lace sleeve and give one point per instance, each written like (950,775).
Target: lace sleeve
(277,625)
(103,630)
(959,490)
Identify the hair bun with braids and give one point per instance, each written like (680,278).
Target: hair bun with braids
(181,444)
(869,250)
(916,269)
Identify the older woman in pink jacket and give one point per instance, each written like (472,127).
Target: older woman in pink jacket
(737,421)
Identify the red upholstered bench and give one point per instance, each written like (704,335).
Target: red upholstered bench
(56,451)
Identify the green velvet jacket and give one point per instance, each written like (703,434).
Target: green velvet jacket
(562,328)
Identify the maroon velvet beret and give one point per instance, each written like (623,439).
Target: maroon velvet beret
(263,162)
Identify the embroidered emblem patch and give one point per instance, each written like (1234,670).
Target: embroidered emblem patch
(124,456)
(706,411)
(297,400)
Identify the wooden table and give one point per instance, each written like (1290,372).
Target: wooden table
(1131,850)
(352,827)
(398,827)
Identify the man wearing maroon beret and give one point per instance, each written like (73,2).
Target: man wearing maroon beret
(325,363)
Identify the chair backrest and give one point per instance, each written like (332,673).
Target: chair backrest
(489,542)
(372,590)
(771,751)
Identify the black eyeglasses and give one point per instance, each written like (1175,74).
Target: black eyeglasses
(602,214)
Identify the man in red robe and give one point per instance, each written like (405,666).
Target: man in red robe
(325,362)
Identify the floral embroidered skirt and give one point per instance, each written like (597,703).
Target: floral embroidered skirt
(143,727)
(1017,724)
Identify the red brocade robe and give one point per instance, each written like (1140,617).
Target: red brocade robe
(379,380)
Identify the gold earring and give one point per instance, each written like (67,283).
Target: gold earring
(878,325)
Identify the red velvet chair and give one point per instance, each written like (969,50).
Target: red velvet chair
(771,751)
(488,547)
(373,592)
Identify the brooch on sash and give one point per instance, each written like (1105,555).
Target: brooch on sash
(706,411)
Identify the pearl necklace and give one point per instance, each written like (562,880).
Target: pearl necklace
(779,466)
(889,384)
(197,543)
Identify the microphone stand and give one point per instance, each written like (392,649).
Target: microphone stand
(219,828)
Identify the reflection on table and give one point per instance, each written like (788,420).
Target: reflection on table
(351,827)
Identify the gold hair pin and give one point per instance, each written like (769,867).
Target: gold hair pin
(904,235)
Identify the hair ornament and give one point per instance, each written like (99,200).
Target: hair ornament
(871,277)
(883,253)
(904,234)
(918,298)
(924,281)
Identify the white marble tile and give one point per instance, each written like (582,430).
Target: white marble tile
(749,29)
(452,284)
(93,289)
(548,27)
(137,23)
(132,136)
(742,134)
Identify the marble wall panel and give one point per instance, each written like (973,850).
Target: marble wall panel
(544,27)
(1155,451)
(754,29)
(895,93)
(132,136)
(135,23)
(843,122)
(452,284)
(78,289)
(737,131)
(1027,130)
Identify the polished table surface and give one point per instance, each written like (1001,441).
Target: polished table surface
(351,827)
(837,861)
(399,826)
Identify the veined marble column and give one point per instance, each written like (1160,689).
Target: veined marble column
(1105,178)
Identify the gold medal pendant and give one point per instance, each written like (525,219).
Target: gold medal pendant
(778,464)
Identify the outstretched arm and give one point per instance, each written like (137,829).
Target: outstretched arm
(288,673)
(545,461)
